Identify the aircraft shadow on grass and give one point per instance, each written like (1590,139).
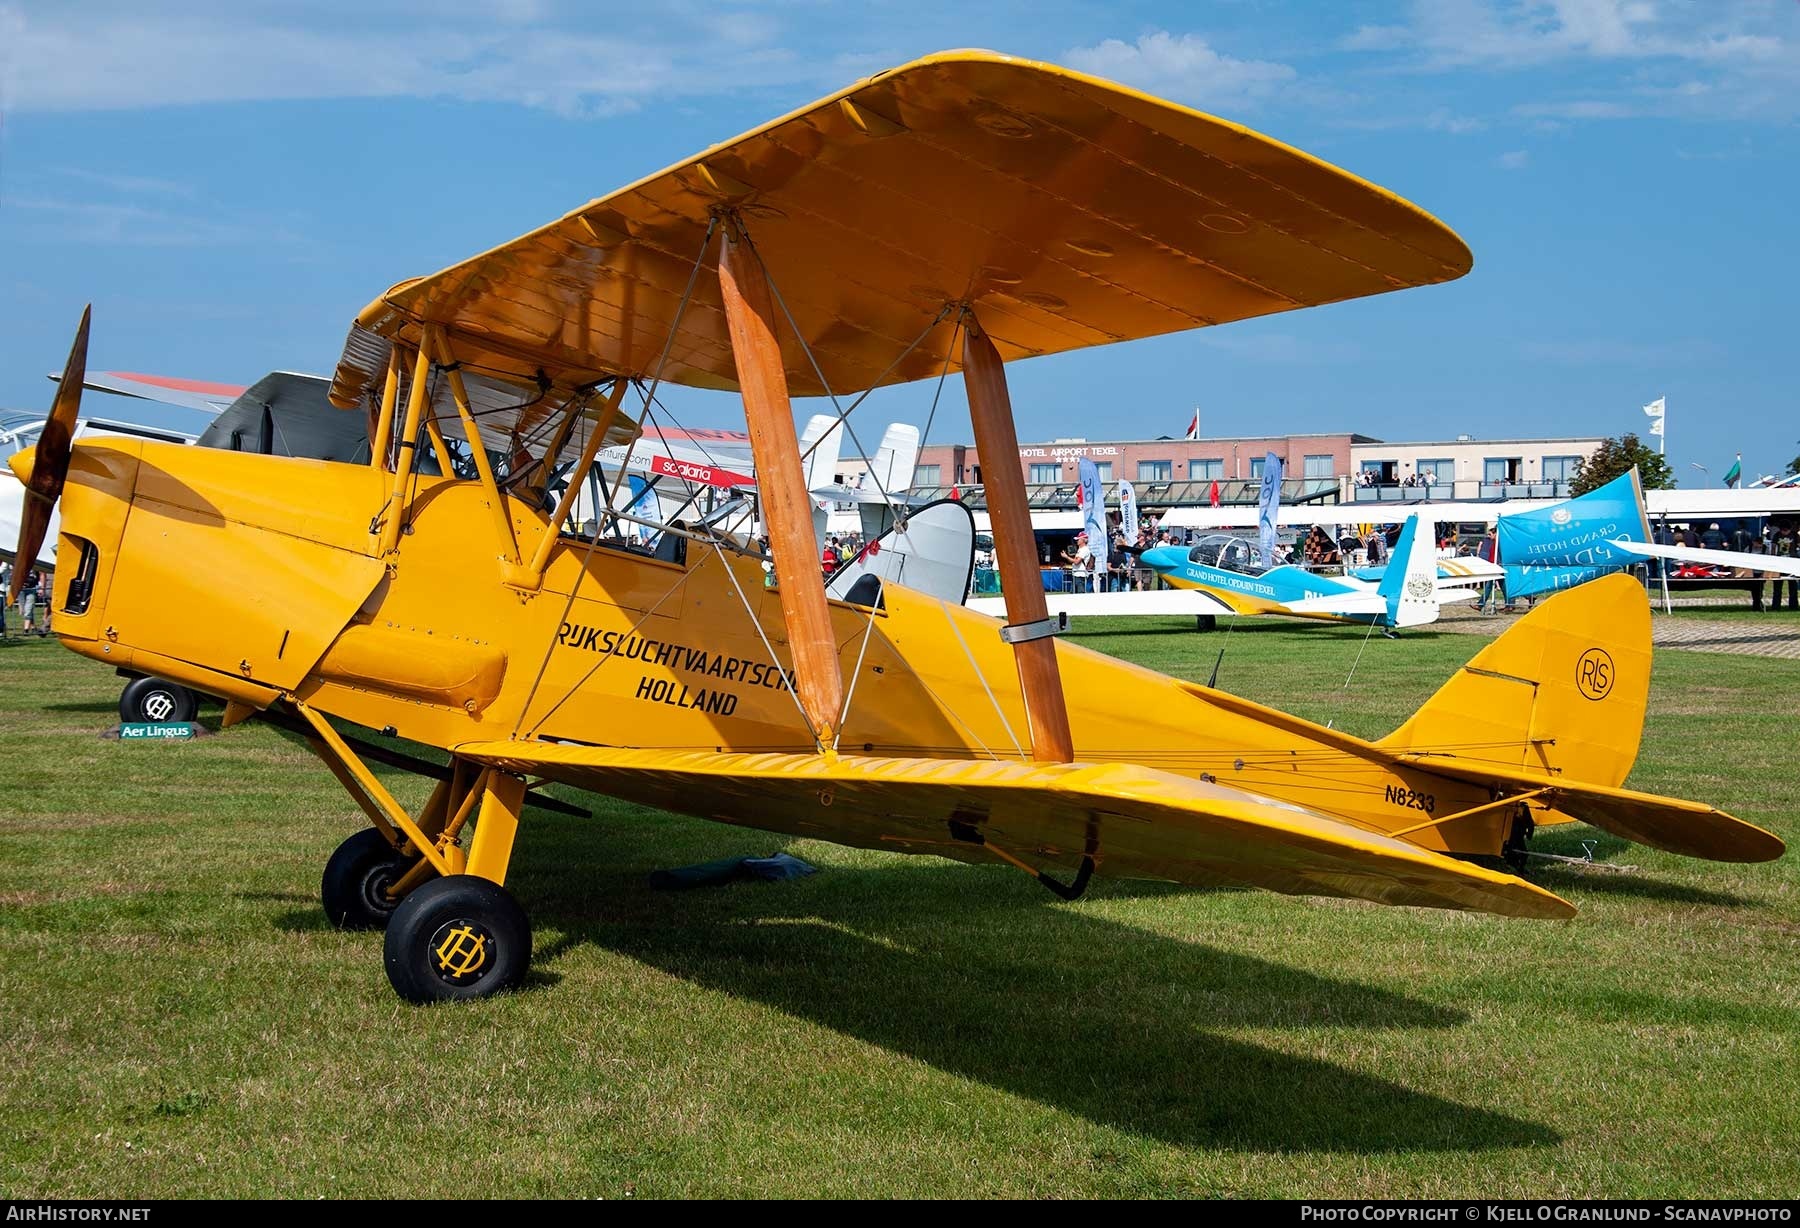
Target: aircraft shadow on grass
(1577,840)
(985,978)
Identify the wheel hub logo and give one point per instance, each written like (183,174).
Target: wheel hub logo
(461,952)
(159,706)
(1594,673)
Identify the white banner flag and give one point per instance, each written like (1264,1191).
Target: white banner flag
(1655,408)
(1656,427)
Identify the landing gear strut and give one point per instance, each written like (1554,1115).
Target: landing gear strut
(454,932)
(1513,851)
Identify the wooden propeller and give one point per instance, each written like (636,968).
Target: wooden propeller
(50,460)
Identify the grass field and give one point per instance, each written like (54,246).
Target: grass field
(179,1019)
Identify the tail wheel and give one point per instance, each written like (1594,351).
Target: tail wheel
(457,938)
(354,888)
(157,700)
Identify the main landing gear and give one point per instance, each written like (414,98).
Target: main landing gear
(156,700)
(453,931)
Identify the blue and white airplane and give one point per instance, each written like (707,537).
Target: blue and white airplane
(1407,594)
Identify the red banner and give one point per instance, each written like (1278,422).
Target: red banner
(706,475)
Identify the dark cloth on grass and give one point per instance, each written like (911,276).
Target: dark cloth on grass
(770,869)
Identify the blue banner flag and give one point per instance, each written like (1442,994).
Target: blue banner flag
(1269,507)
(1571,543)
(1093,513)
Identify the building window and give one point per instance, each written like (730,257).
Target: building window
(1105,470)
(1256,467)
(1045,475)
(1321,467)
(1561,468)
(925,476)
(1500,469)
(1436,471)
(1155,471)
(1209,470)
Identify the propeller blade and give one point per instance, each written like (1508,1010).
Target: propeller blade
(50,460)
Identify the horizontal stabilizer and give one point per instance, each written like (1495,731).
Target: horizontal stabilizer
(1692,829)
(1135,822)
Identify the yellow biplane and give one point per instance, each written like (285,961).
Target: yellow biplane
(955,213)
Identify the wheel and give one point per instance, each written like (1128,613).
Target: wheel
(457,938)
(354,887)
(156,700)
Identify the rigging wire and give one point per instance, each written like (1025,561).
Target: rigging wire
(592,669)
(593,542)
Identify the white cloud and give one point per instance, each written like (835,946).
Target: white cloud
(1183,67)
(1653,57)
(124,185)
(1438,119)
(1581,108)
(121,56)
(54,219)
(1514,160)
(1278,349)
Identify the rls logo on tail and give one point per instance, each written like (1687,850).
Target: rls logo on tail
(1594,673)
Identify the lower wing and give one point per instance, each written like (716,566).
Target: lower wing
(1133,822)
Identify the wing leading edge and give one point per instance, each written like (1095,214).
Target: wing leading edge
(1135,821)
(1073,212)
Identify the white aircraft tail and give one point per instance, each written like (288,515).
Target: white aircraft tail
(897,458)
(1410,582)
(821,467)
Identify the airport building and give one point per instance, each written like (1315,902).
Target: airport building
(1163,471)
(1317,468)
(1468,468)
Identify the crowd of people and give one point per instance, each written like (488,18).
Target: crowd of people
(1782,541)
(1368,477)
(839,548)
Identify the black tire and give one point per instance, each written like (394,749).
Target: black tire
(354,887)
(157,700)
(457,938)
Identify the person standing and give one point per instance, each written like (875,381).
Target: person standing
(1785,546)
(1755,576)
(28,602)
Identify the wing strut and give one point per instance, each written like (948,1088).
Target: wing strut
(786,506)
(1015,549)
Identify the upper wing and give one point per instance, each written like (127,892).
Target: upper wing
(1135,822)
(1785,564)
(203,395)
(1072,212)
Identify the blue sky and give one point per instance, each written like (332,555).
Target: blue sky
(230,182)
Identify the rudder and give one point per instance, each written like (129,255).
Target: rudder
(1563,691)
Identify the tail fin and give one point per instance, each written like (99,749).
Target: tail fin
(1409,585)
(824,439)
(1563,692)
